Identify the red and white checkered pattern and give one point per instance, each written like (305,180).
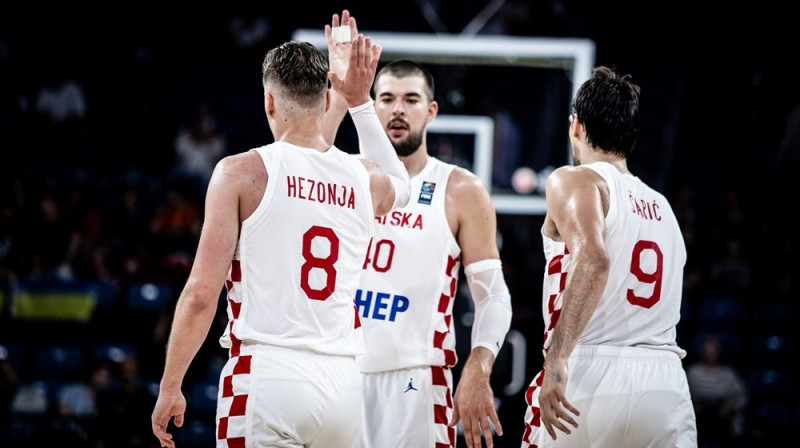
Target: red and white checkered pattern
(442,379)
(232,403)
(553,286)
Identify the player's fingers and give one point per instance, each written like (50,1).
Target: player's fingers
(367,49)
(353,28)
(558,424)
(372,54)
(550,430)
(469,428)
(498,428)
(570,407)
(376,57)
(454,419)
(164,438)
(358,50)
(566,411)
(335,80)
(179,420)
(329,30)
(486,428)
(478,425)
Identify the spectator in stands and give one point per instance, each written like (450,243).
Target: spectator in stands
(77,402)
(198,147)
(79,399)
(51,239)
(128,221)
(719,397)
(125,410)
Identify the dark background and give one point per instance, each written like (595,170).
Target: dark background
(718,93)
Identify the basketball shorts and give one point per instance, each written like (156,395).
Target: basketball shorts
(281,397)
(407,408)
(628,397)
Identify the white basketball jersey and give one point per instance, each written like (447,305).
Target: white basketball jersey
(299,255)
(641,303)
(409,281)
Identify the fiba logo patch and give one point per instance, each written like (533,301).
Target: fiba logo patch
(426,192)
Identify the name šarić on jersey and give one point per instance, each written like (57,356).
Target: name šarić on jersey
(322,192)
(644,209)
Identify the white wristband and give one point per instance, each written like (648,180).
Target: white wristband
(341,34)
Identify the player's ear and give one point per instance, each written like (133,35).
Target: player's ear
(433,110)
(575,125)
(269,103)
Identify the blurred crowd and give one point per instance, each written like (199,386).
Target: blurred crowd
(100,214)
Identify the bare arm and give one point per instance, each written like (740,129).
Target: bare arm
(472,217)
(575,207)
(473,220)
(197,303)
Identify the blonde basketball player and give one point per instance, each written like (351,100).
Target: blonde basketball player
(285,231)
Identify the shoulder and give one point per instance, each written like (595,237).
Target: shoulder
(466,185)
(241,164)
(238,172)
(576,191)
(573,176)
(467,195)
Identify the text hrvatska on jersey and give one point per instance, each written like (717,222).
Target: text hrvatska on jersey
(399,218)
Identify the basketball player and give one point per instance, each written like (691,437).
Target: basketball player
(612,374)
(407,289)
(286,229)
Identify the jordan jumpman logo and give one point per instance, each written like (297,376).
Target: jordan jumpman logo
(410,385)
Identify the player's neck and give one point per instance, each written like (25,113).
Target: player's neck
(304,133)
(598,156)
(416,162)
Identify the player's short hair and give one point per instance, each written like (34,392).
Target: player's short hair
(299,70)
(608,106)
(402,68)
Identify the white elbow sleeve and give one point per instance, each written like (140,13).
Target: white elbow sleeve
(492,304)
(373,142)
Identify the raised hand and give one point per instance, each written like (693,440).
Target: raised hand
(339,55)
(355,86)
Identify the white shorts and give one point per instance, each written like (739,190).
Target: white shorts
(628,398)
(407,408)
(280,397)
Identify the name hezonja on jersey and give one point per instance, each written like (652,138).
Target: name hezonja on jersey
(644,209)
(323,192)
(380,305)
(399,218)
